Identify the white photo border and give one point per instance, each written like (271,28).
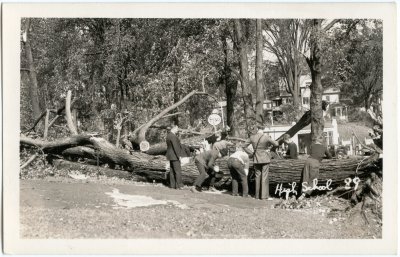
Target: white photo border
(11,18)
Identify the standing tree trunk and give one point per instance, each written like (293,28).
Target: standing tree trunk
(296,79)
(259,74)
(314,62)
(244,75)
(33,89)
(176,69)
(230,90)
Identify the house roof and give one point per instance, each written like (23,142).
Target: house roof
(331,90)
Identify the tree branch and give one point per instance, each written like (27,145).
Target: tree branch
(330,25)
(68,115)
(33,157)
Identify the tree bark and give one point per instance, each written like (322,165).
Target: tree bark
(259,74)
(230,90)
(88,169)
(33,89)
(46,125)
(161,148)
(68,115)
(304,121)
(176,69)
(57,146)
(249,115)
(314,63)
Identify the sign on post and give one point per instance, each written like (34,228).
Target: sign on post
(214,119)
(144,146)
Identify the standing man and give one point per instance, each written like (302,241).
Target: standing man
(261,143)
(205,163)
(311,166)
(174,153)
(291,152)
(238,164)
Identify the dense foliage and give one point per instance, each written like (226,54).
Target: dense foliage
(134,68)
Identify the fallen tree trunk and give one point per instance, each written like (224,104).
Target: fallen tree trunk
(57,146)
(304,121)
(154,167)
(139,134)
(281,171)
(88,169)
(161,148)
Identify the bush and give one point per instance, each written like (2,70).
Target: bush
(359,116)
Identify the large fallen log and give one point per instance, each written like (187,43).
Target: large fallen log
(161,148)
(304,121)
(57,146)
(154,167)
(88,169)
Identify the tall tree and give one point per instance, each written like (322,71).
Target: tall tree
(314,62)
(230,86)
(241,45)
(33,89)
(365,57)
(259,73)
(288,39)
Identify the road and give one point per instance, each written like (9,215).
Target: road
(90,208)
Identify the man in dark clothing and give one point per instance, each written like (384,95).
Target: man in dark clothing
(205,163)
(261,143)
(311,166)
(174,152)
(291,152)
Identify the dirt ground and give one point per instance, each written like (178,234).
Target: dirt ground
(85,207)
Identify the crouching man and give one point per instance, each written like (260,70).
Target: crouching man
(238,164)
(205,163)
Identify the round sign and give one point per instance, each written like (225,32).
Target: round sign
(214,119)
(144,146)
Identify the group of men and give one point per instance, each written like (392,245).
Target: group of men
(238,162)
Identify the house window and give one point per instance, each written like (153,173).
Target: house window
(306,100)
(328,137)
(328,98)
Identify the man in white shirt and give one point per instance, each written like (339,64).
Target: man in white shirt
(238,164)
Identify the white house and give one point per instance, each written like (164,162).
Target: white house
(330,94)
